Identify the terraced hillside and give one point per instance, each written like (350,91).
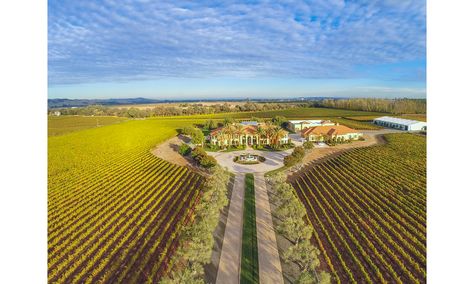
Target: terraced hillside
(368,211)
(114,209)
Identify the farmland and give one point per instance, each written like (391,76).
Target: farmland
(58,125)
(114,209)
(368,210)
(292,113)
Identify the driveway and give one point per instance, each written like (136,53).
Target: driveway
(296,139)
(273,160)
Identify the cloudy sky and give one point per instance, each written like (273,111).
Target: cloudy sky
(239,49)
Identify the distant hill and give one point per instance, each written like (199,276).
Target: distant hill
(65,103)
(59,103)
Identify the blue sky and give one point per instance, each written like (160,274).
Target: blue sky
(219,49)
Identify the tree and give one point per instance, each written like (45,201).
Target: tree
(324,278)
(187,130)
(278,133)
(298,153)
(304,254)
(279,120)
(133,112)
(228,131)
(198,153)
(210,124)
(184,149)
(228,120)
(190,274)
(208,161)
(290,161)
(238,130)
(305,278)
(197,137)
(308,145)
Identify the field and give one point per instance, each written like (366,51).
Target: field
(362,125)
(114,209)
(292,113)
(58,125)
(249,262)
(420,117)
(368,210)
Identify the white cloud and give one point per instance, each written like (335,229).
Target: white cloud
(97,41)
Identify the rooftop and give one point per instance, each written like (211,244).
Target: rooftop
(328,130)
(249,123)
(306,121)
(397,120)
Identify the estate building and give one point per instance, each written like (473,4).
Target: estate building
(298,125)
(248,133)
(324,133)
(400,123)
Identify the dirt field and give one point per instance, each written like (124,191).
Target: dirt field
(169,151)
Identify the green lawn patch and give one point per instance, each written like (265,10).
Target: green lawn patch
(249,260)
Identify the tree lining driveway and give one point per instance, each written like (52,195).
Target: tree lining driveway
(273,160)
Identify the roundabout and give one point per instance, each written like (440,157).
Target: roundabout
(266,161)
(248,159)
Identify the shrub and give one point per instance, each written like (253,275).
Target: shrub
(198,153)
(208,161)
(197,137)
(187,130)
(298,153)
(184,149)
(308,145)
(290,161)
(210,124)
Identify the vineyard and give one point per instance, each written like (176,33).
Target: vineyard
(114,209)
(368,210)
(58,125)
(292,113)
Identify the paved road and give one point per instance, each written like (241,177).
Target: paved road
(268,258)
(229,264)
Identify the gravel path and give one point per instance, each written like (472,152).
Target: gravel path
(229,264)
(268,257)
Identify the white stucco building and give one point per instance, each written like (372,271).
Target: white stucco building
(400,123)
(298,125)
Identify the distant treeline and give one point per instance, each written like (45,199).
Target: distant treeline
(395,106)
(181,109)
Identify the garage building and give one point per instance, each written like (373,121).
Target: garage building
(400,123)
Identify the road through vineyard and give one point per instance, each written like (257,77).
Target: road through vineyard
(114,209)
(368,210)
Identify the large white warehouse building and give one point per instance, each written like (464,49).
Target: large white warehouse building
(400,123)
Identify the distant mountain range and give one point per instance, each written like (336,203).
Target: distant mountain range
(62,103)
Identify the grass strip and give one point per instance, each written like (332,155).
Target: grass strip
(249,261)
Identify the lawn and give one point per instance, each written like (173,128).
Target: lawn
(249,260)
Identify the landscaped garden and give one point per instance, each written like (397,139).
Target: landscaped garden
(249,159)
(249,261)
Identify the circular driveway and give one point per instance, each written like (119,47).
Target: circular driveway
(273,160)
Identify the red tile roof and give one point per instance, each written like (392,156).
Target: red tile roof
(328,130)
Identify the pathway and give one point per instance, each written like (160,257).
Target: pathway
(268,257)
(229,264)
